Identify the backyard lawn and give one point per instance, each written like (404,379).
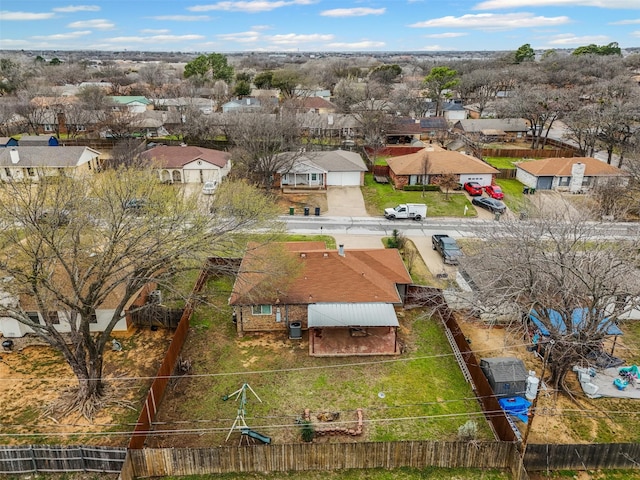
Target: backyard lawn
(378,196)
(418,395)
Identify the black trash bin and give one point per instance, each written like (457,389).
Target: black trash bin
(317,211)
(306,211)
(525,190)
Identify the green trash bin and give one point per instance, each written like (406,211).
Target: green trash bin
(532,191)
(292,210)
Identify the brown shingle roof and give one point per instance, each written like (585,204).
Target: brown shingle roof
(177,156)
(360,276)
(317,103)
(561,167)
(440,162)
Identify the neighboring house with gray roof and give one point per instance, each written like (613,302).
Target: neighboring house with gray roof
(131,103)
(493,129)
(38,141)
(33,163)
(188,164)
(340,168)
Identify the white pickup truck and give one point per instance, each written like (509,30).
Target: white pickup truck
(415,211)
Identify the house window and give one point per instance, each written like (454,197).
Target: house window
(586,181)
(314,177)
(261,310)
(48,127)
(519,135)
(81,128)
(34,317)
(564,181)
(93,318)
(53,318)
(7,172)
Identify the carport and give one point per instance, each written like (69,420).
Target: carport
(352,329)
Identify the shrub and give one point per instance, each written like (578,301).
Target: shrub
(307,430)
(468,431)
(420,188)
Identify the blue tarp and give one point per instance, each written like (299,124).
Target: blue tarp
(516,406)
(578,317)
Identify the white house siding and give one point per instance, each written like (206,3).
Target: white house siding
(343,179)
(11,328)
(200,171)
(481,178)
(526,178)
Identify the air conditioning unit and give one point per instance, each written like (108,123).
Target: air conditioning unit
(155,296)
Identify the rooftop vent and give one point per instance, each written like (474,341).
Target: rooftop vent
(15,157)
(341,250)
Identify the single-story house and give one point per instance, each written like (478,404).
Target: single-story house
(19,163)
(345,299)
(38,141)
(131,103)
(493,129)
(60,317)
(453,111)
(430,163)
(340,168)
(574,175)
(247,104)
(8,142)
(187,164)
(315,105)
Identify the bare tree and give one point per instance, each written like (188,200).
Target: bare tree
(258,141)
(78,252)
(552,267)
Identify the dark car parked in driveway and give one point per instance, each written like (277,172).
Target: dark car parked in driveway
(491,204)
(473,188)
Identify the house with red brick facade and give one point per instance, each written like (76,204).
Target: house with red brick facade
(427,165)
(344,299)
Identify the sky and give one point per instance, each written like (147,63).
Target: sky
(316,25)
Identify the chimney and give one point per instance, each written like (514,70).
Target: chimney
(577,177)
(341,250)
(15,157)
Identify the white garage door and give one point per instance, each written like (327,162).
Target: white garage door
(343,179)
(482,179)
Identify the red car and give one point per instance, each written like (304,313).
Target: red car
(494,191)
(473,188)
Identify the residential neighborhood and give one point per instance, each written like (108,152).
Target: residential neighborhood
(256,263)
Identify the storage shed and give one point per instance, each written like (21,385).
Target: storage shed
(507,375)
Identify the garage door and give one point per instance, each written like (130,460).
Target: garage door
(480,178)
(545,183)
(343,179)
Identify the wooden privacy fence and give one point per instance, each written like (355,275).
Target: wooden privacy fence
(528,153)
(156,392)
(582,456)
(56,458)
(422,296)
(150,462)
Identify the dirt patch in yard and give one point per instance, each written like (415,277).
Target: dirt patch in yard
(300,200)
(558,419)
(32,376)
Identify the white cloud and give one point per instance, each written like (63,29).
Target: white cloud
(363,45)
(240,37)
(249,6)
(434,48)
(634,21)
(353,12)
(495,4)
(77,8)
(294,38)
(63,36)
(569,39)
(636,33)
(446,35)
(6,15)
(155,39)
(154,31)
(182,18)
(493,21)
(98,24)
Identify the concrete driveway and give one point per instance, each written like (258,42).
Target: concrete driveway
(345,202)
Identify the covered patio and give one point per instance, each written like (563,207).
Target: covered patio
(346,329)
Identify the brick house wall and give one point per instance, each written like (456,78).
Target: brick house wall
(248,322)
(399,181)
